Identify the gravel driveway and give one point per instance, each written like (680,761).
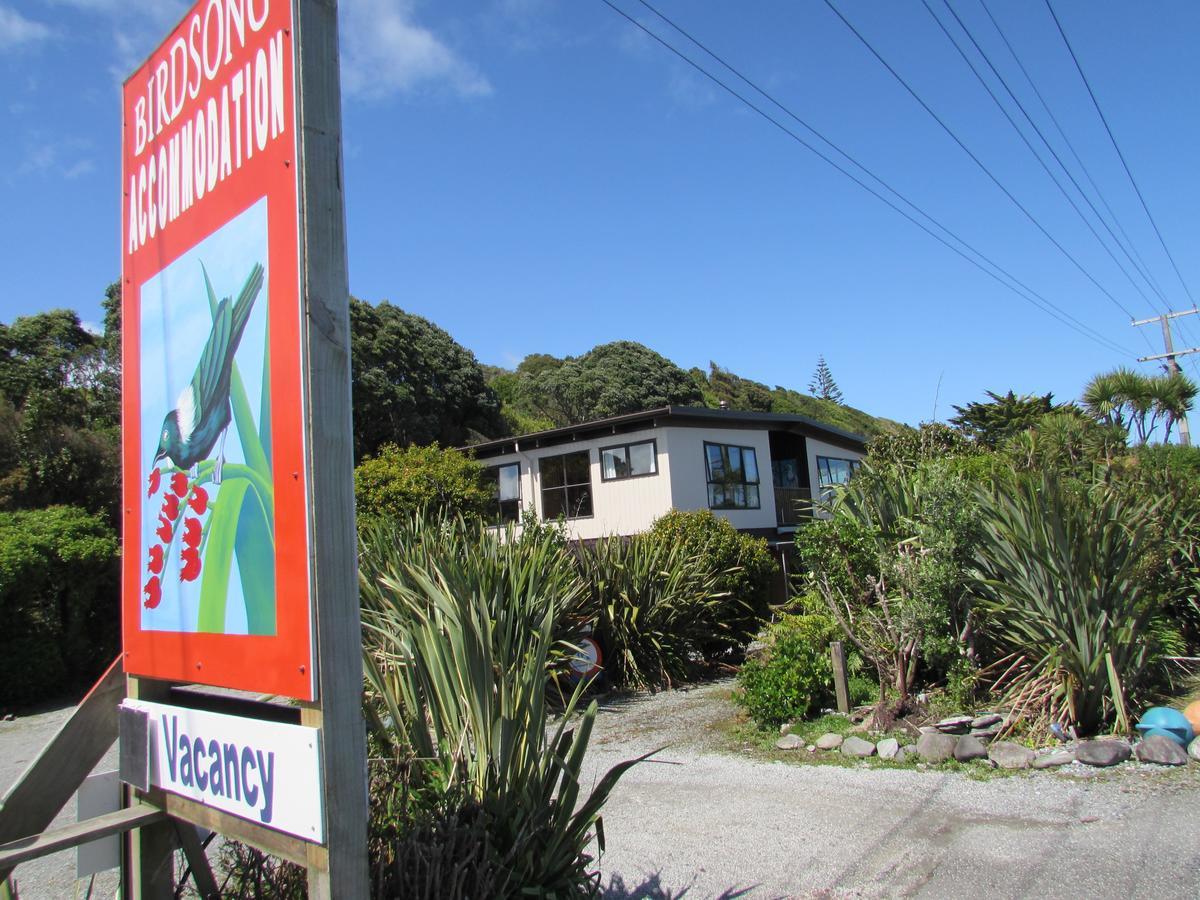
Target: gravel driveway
(701,822)
(706,823)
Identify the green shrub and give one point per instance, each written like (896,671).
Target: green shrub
(457,654)
(400,482)
(59,601)
(743,565)
(794,676)
(655,609)
(1058,570)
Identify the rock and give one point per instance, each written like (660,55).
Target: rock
(811,748)
(983,720)
(789,742)
(1008,755)
(928,729)
(969,748)
(907,752)
(887,748)
(985,734)
(936,748)
(1053,760)
(786,728)
(1102,753)
(1161,751)
(1194,749)
(855,746)
(954,724)
(829,741)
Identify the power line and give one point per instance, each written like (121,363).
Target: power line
(1144,269)
(1021,290)
(978,162)
(1038,131)
(1120,155)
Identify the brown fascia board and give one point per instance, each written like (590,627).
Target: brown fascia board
(684,416)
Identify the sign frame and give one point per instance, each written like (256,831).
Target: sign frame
(329,683)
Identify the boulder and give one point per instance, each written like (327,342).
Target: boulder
(887,748)
(983,720)
(1103,753)
(856,746)
(969,748)
(954,724)
(829,741)
(1054,759)
(1194,749)
(1161,751)
(1008,755)
(789,742)
(985,734)
(936,748)
(907,752)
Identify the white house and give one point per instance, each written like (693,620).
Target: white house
(615,476)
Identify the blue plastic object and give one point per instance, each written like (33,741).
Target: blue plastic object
(1167,722)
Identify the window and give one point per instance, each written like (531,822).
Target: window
(732,476)
(507,479)
(629,461)
(566,486)
(833,471)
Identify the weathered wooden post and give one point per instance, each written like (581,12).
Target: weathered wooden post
(841,686)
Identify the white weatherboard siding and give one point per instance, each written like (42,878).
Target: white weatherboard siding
(623,506)
(689,474)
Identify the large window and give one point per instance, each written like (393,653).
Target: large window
(507,479)
(566,486)
(629,461)
(732,476)
(833,471)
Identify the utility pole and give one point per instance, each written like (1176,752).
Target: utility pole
(1171,365)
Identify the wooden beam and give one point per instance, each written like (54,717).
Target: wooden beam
(269,841)
(193,849)
(53,777)
(38,845)
(326,298)
(152,849)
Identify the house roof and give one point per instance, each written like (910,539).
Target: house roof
(685,416)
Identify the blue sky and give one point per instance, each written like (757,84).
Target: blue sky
(540,176)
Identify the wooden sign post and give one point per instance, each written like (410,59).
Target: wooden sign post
(239,545)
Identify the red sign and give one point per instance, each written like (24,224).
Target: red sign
(216,577)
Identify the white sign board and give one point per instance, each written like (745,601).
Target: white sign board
(265,772)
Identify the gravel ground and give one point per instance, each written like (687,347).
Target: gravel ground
(51,877)
(707,823)
(700,821)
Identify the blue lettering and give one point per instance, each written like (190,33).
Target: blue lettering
(248,763)
(233,784)
(267,771)
(168,737)
(185,761)
(197,755)
(215,783)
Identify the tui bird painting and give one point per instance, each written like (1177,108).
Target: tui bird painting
(202,415)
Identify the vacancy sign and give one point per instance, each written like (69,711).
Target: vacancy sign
(216,562)
(266,772)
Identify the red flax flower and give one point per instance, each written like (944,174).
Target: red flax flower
(198,501)
(156,559)
(191,564)
(153,592)
(164,530)
(191,532)
(179,483)
(170,507)
(155,479)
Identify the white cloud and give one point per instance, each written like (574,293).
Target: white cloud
(67,157)
(384,52)
(16,30)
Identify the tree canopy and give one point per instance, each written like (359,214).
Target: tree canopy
(993,421)
(608,380)
(822,384)
(413,383)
